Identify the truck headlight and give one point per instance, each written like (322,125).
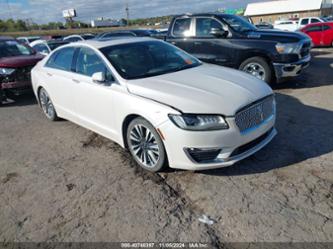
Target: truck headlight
(200,122)
(288,48)
(6,71)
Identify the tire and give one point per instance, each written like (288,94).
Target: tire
(2,97)
(259,68)
(11,95)
(47,105)
(149,154)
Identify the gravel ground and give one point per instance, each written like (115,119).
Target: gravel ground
(61,182)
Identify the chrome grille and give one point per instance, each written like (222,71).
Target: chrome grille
(255,114)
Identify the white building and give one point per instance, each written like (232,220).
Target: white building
(284,9)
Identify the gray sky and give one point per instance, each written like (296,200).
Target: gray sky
(43,11)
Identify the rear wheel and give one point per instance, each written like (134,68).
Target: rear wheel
(259,68)
(47,105)
(145,145)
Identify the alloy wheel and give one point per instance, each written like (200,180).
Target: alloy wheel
(144,146)
(256,70)
(46,104)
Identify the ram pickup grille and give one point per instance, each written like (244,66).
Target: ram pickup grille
(305,51)
(255,114)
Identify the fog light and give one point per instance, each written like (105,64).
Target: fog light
(203,155)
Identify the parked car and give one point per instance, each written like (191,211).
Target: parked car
(161,103)
(229,40)
(320,33)
(286,25)
(264,25)
(27,39)
(309,20)
(125,33)
(16,62)
(75,38)
(45,47)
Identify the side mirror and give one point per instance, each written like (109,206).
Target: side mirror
(98,77)
(219,33)
(44,52)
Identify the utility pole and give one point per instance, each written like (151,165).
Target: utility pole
(127,13)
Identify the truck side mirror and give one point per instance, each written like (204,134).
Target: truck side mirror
(219,33)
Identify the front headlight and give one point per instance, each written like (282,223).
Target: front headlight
(199,122)
(288,48)
(6,71)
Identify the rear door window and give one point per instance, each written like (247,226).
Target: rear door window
(182,27)
(326,27)
(61,59)
(314,20)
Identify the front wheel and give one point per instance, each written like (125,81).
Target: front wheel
(2,96)
(145,145)
(47,105)
(259,68)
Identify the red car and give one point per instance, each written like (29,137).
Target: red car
(320,33)
(16,62)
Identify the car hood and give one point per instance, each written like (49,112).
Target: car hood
(20,61)
(276,35)
(207,89)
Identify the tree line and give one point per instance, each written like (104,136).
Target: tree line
(11,25)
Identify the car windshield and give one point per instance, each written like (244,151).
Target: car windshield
(13,48)
(238,24)
(148,58)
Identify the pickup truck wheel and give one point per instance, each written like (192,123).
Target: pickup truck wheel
(47,105)
(258,67)
(145,145)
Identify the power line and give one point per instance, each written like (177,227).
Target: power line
(9,10)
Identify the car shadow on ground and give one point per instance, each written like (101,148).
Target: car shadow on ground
(23,100)
(304,132)
(319,73)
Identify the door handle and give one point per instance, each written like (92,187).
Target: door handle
(49,74)
(76,81)
(173,43)
(197,43)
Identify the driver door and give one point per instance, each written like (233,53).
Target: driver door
(94,100)
(209,48)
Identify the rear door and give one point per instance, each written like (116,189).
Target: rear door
(327,35)
(182,33)
(58,78)
(208,48)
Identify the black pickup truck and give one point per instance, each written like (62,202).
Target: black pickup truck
(229,40)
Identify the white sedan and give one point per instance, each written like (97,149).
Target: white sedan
(162,104)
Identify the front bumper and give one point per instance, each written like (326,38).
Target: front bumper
(284,70)
(16,87)
(233,145)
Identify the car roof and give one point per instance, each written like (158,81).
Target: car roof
(106,43)
(204,14)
